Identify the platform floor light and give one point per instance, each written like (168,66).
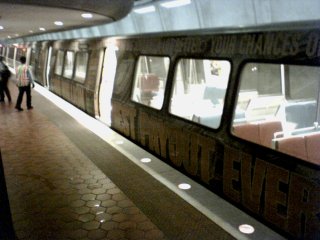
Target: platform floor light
(184,186)
(86,15)
(119,142)
(145,160)
(58,23)
(246,228)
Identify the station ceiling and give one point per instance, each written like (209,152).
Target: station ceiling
(19,18)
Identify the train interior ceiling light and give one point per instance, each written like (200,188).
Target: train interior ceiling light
(19,18)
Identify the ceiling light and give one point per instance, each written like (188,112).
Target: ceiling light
(9,36)
(175,3)
(30,31)
(246,228)
(86,15)
(42,29)
(17,35)
(145,9)
(184,186)
(58,23)
(1,27)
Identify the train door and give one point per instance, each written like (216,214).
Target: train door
(48,67)
(106,84)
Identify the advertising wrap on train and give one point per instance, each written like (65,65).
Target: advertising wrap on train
(267,44)
(285,199)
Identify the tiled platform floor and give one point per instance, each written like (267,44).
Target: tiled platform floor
(57,192)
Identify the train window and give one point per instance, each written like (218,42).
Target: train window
(3,51)
(199,90)
(68,64)
(150,81)
(277,107)
(20,52)
(10,57)
(59,63)
(81,66)
(32,57)
(11,52)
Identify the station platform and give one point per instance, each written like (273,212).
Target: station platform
(69,176)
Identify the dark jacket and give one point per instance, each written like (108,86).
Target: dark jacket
(5,75)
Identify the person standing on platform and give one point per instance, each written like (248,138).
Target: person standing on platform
(5,75)
(2,65)
(24,83)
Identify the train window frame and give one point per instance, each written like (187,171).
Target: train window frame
(59,62)
(81,79)
(207,88)
(283,123)
(68,64)
(152,83)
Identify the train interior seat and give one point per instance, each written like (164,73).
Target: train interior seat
(149,87)
(248,131)
(267,130)
(273,122)
(149,83)
(294,145)
(303,143)
(261,132)
(312,142)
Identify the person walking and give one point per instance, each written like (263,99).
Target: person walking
(2,65)
(24,83)
(5,75)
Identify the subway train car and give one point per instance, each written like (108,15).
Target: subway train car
(238,111)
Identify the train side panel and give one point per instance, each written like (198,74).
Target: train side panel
(279,189)
(75,72)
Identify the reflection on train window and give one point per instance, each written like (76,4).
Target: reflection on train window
(59,63)
(150,81)
(81,66)
(68,64)
(199,90)
(277,107)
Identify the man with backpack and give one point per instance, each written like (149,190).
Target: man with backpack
(24,83)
